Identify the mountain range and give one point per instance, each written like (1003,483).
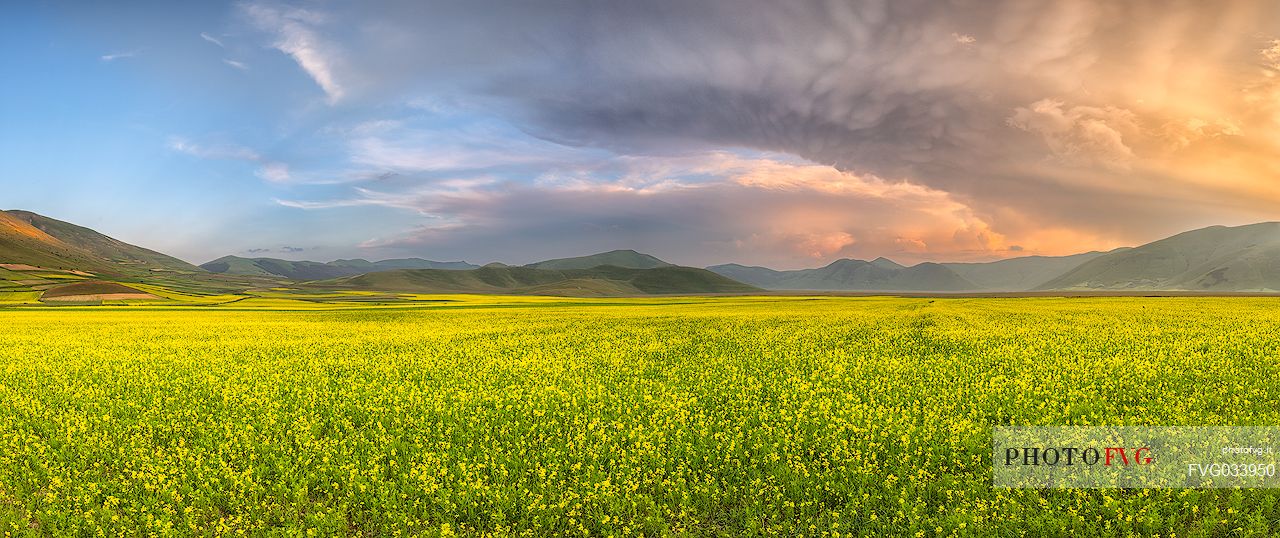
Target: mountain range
(616,258)
(600,280)
(881,274)
(1214,259)
(44,256)
(56,261)
(306,270)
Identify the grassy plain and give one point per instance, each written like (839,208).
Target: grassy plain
(736,416)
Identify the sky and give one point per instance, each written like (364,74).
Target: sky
(785,134)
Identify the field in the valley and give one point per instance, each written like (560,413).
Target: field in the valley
(730,416)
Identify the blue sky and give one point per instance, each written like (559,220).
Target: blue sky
(709,133)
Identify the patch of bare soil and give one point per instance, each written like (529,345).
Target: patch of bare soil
(94,291)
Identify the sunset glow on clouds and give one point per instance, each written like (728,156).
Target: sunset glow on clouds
(754,132)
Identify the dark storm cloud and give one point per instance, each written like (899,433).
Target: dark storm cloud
(874,85)
(1094,116)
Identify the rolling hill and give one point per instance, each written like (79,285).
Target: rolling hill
(402,263)
(39,254)
(617,258)
(308,270)
(852,275)
(882,274)
(1019,274)
(27,238)
(597,281)
(1217,258)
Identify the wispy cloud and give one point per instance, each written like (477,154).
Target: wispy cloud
(236,64)
(422,198)
(400,146)
(119,55)
(269,170)
(285,249)
(212,39)
(214,151)
(296,35)
(274,172)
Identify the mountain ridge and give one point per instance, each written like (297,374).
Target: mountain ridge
(597,281)
(34,239)
(1211,259)
(617,258)
(848,274)
(1023,273)
(305,270)
(1214,258)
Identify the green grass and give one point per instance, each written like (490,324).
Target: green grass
(6,274)
(659,416)
(54,276)
(597,281)
(19,297)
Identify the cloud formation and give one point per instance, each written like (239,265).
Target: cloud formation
(295,34)
(1080,134)
(725,207)
(775,131)
(118,55)
(205,36)
(267,169)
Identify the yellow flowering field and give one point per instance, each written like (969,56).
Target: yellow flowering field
(810,416)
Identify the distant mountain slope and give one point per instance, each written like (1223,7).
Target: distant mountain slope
(404,263)
(597,281)
(617,258)
(754,275)
(308,270)
(882,274)
(32,239)
(294,270)
(885,263)
(22,243)
(1217,258)
(38,254)
(1019,274)
(852,275)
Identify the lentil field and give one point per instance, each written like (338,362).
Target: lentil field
(728,416)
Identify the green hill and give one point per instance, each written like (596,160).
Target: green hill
(403,263)
(597,281)
(1217,258)
(617,258)
(308,270)
(38,254)
(30,239)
